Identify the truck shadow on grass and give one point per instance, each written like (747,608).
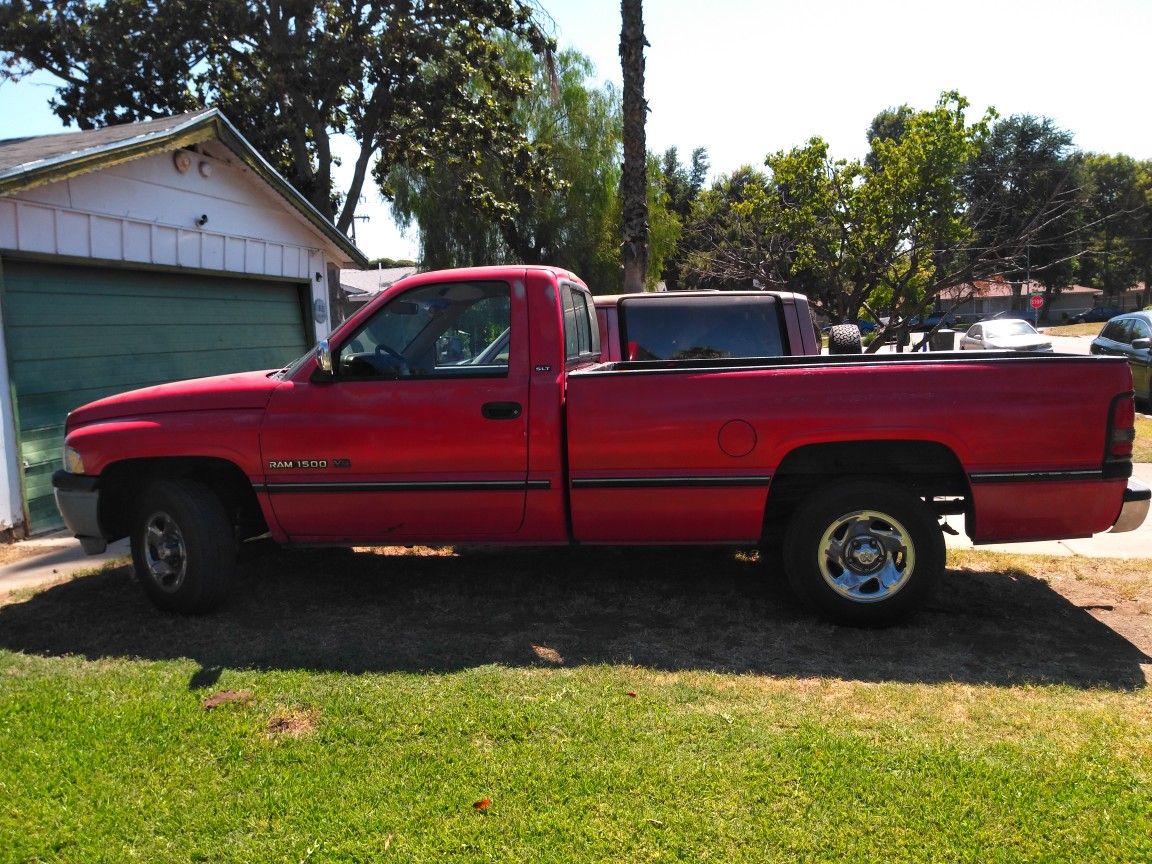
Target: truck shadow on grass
(665,609)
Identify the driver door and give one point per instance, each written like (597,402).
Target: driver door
(420,434)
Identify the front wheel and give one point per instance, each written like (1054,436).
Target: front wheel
(863,553)
(183,546)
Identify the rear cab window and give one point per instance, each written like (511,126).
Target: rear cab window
(673,327)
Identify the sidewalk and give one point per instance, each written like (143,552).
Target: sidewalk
(65,557)
(1130,544)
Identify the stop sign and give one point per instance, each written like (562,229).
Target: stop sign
(1037,301)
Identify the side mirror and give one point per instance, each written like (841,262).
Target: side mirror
(324,356)
(1141,344)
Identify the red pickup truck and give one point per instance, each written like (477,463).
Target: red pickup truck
(472,406)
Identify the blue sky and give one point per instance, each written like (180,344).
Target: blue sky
(745,78)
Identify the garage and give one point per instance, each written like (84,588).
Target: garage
(76,334)
(140,254)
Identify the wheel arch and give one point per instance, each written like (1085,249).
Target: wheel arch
(926,468)
(122,483)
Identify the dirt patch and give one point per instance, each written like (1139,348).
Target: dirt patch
(10,553)
(993,619)
(228,697)
(1115,592)
(292,722)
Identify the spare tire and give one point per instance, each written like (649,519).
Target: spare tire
(845,339)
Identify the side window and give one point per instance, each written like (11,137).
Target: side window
(977,332)
(581,333)
(1140,330)
(455,329)
(1115,330)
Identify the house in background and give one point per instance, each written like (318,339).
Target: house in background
(357,287)
(138,254)
(992,297)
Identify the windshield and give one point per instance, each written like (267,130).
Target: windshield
(1000,329)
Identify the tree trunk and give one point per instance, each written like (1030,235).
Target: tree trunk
(634,177)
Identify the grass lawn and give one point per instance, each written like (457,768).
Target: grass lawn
(1142,446)
(429,706)
(1087,329)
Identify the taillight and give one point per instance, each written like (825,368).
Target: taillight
(1121,429)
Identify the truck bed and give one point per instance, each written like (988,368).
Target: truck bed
(696,457)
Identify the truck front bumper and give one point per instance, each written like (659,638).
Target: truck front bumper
(1136,502)
(78,499)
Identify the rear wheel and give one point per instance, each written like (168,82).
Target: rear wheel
(863,553)
(183,546)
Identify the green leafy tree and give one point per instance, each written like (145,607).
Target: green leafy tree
(682,185)
(1116,205)
(724,246)
(575,129)
(888,125)
(890,232)
(784,228)
(911,235)
(399,78)
(1023,190)
(1142,242)
(938,205)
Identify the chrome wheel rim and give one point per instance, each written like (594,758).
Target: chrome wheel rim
(165,553)
(866,556)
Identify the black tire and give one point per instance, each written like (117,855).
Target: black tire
(863,553)
(183,546)
(845,339)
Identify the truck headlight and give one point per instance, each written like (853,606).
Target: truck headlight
(73,461)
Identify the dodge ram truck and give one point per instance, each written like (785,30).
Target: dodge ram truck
(473,406)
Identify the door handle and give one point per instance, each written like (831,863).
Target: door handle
(502,410)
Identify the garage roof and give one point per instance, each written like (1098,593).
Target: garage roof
(34,161)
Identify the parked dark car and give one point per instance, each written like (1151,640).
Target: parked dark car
(863,324)
(1130,336)
(1104,313)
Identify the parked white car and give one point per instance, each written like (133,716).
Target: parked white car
(1004,334)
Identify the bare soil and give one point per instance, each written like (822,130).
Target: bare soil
(993,619)
(10,553)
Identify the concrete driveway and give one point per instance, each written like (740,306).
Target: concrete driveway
(62,556)
(54,556)
(1130,544)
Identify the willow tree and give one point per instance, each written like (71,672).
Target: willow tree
(574,128)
